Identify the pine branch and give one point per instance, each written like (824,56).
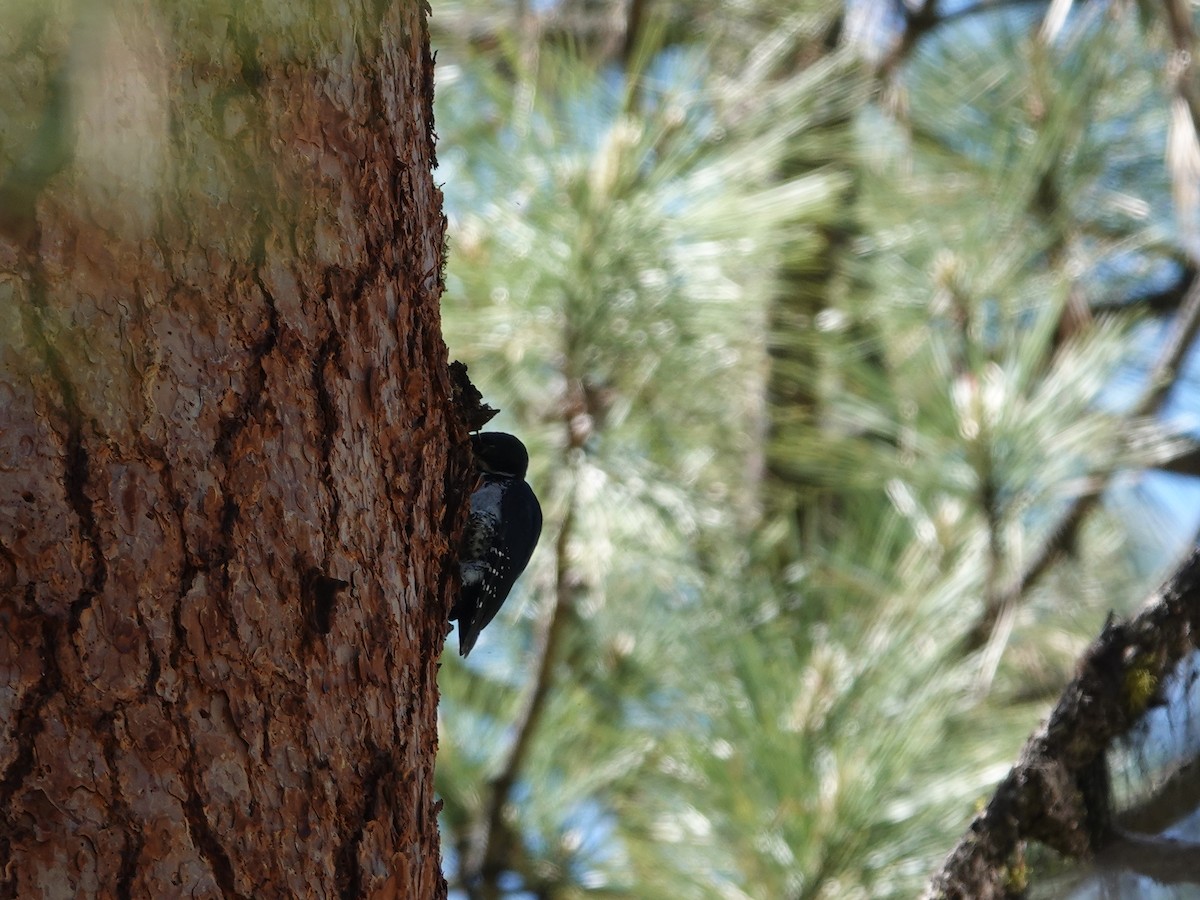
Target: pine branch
(1049,794)
(1187,464)
(1183,36)
(918,22)
(1178,796)
(1166,860)
(635,19)
(1164,300)
(1162,377)
(925,19)
(490,850)
(533,707)
(998,609)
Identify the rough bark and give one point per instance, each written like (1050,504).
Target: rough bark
(1058,792)
(228,469)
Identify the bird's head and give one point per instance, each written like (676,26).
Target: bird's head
(500,454)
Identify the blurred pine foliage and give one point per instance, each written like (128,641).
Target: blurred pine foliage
(830,349)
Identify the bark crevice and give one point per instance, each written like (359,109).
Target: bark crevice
(27,728)
(349,871)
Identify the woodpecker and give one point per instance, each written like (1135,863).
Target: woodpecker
(503,529)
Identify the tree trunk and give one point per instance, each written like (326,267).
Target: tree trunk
(227,484)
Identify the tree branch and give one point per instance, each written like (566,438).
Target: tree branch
(926,19)
(1176,797)
(1187,464)
(1167,299)
(1162,377)
(918,22)
(487,855)
(1166,860)
(1052,790)
(490,846)
(1183,36)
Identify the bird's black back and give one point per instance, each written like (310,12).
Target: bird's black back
(503,528)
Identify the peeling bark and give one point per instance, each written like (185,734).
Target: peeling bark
(228,461)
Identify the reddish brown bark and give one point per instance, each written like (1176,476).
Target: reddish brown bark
(227,483)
